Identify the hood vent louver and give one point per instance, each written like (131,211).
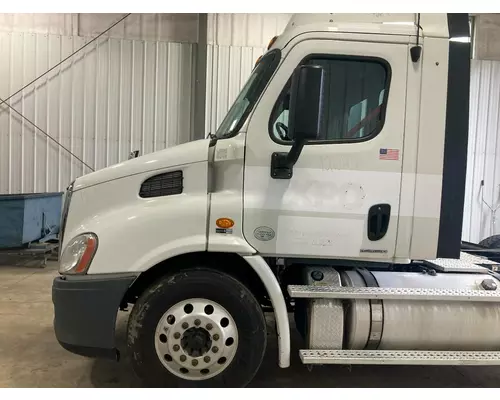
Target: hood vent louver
(166,184)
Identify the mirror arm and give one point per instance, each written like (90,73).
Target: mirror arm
(282,163)
(294,153)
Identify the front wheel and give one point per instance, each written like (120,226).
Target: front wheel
(198,328)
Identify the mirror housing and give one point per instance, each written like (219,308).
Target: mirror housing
(305,116)
(133,154)
(306,101)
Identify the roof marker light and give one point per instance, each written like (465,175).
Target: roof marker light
(271,42)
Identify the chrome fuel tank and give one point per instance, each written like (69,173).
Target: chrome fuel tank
(422,325)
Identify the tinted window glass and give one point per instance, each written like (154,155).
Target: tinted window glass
(354,106)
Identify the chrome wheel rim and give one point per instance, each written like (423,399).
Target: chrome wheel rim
(196,339)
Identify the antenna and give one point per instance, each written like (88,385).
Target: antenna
(416,51)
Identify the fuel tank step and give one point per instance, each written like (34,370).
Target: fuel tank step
(370,293)
(400,357)
(452,265)
(477,260)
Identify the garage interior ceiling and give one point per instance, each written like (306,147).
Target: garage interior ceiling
(134,89)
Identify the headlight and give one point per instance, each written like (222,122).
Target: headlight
(78,254)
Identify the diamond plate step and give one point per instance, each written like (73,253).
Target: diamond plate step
(367,293)
(452,265)
(400,357)
(476,259)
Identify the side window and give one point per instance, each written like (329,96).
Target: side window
(355,100)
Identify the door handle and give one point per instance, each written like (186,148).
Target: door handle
(378,221)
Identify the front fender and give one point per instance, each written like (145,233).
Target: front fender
(133,240)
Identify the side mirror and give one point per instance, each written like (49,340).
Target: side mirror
(133,154)
(306,101)
(305,116)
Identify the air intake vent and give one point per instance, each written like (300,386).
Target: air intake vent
(165,184)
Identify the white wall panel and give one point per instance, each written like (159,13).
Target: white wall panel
(245,30)
(115,96)
(151,27)
(56,24)
(483,162)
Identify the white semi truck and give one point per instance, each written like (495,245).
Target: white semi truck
(331,195)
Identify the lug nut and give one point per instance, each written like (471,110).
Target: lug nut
(183,358)
(176,347)
(206,359)
(194,362)
(197,322)
(177,335)
(209,327)
(215,337)
(215,349)
(185,325)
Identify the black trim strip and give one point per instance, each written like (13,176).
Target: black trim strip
(456,138)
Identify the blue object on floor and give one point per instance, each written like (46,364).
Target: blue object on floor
(26,218)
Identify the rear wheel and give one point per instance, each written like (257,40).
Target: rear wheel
(198,328)
(493,242)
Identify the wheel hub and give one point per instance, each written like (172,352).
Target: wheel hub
(196,339)
(196,342)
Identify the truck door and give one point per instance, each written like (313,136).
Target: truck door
(343,198)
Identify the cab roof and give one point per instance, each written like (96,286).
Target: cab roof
(432,25)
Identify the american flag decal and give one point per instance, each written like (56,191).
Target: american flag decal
(388,154)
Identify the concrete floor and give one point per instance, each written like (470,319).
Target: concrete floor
(31,357)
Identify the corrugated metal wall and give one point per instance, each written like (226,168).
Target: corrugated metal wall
(115,96)
(131,90)
(483,163)
(55,24)
(180,28)
(245,30)
(163,27)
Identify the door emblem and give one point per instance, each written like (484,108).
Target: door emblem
(263,233)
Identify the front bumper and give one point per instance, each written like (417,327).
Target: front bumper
(85,309)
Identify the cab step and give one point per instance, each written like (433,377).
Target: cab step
(371,293)
(400,357)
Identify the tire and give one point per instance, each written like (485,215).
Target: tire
(493,242)
(227,294)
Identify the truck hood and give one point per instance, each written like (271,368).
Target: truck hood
(187,153)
